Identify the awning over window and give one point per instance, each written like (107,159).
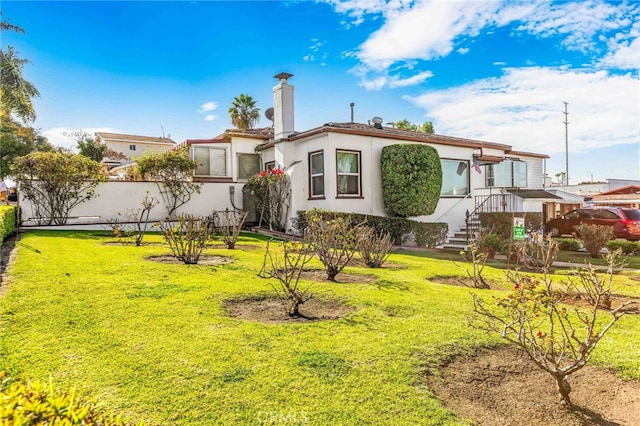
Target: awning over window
(538,194)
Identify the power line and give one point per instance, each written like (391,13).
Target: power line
(566,143)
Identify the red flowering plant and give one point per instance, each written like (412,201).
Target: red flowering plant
(270,191)
(535,317)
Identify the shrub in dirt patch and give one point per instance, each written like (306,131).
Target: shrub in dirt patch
(478,260)
(594,237)
(536,254)
(374,247)
(188,237)
(286,269)
(228,223)
(631,248)
(334,241)
(140,217)
(534,318)
(35,403)
(569,244)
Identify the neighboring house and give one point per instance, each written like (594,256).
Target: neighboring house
(123,149)
(625,196)
(336,166)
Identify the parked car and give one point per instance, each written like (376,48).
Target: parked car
(624,221)
(12,193)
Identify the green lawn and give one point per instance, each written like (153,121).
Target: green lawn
(153,341)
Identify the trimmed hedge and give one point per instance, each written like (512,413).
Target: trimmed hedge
(501,222)
(7,221)
(631,248)
(411,179)
(569,244)
(402,231)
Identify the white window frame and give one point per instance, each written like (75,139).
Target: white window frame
(312,175)
(209,148)
(358,174)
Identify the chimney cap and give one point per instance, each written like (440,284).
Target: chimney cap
(283,76)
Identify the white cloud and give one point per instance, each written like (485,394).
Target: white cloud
(429,30)
(207,107)
(524,107)
(210,117)
(463,50)
(57,135)
(309,58)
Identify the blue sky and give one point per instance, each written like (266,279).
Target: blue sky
(497,71)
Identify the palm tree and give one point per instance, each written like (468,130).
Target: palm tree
(244,113)
(16,93)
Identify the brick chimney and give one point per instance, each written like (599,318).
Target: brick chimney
(282,107)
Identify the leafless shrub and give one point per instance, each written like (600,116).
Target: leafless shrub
(374,247)
(594,237)
(335,241)
(538,253)
(533,318)
(188,237)
(140,217)
(478,259)
(286,268)
(229,224)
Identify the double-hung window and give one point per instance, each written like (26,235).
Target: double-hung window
(316,174)
(210,161)
(348,173)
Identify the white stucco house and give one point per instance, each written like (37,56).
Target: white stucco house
(336,166)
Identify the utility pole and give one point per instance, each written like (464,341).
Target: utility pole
(566,143)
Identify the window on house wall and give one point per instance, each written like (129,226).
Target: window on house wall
(248,165)
(455,177)
(507,174)
(348,173)
(269,165)
(210,161)
(132,147)
(316,174)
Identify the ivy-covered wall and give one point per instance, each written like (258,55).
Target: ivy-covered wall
(411,179)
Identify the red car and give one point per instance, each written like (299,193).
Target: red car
(624,221)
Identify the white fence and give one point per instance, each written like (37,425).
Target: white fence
(122,197)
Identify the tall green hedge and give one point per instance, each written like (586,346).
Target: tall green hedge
(7,221)
(411,179)
(422,234)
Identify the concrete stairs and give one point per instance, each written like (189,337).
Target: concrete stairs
(458,241)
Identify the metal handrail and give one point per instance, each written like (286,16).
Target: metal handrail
(495,203)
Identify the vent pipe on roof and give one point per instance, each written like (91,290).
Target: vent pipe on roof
(352,105)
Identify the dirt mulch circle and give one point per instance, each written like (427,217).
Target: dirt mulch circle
(503,387)
(205,259)
(574,299)
(269,310)
(238,247)
(342,278)
(461,281)
(129,243)
(359,263)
